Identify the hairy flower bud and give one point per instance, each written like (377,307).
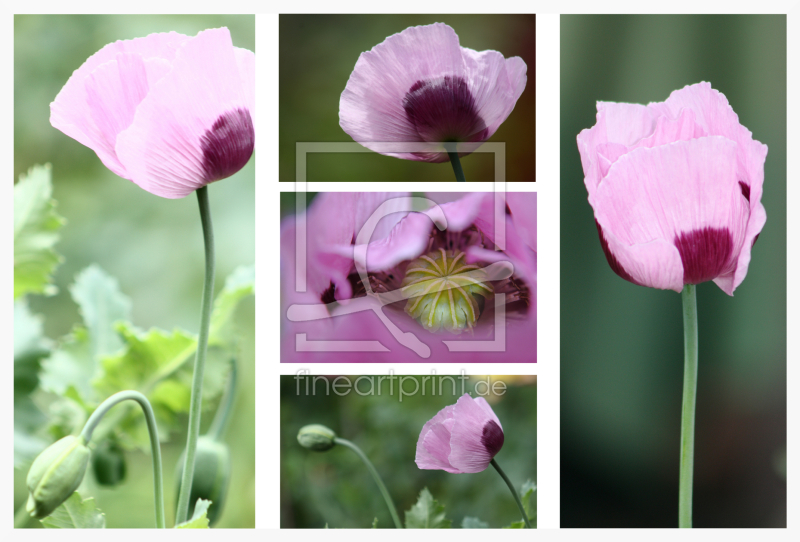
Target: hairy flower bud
(212,475)
(316,437)
(55,474)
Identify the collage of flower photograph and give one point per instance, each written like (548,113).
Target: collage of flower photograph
(412,363)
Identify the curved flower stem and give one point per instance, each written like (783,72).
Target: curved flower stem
(155,447)
(513,492)
(200,359)
(456,166)
(689,298)
(376,476)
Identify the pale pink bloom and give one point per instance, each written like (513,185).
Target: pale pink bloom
(169,112)
(421,86)
(333,222)
(461,438)
(676,189)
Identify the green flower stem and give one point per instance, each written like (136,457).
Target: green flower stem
(456,166)
(223,414)
(155,446)
(513,492)
(200,359)
(689,297)
(376,476)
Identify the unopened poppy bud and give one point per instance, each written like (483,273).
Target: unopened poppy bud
(55,474)
(316,437)
(212,475)
(108,463)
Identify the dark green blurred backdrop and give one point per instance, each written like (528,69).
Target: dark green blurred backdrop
(622,344)
(317,56)
(153,245)
(334,487)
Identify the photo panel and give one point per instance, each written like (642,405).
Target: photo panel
(123,127)
(408,451)
(687,197)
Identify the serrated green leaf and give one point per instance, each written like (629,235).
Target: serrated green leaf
(529,500)
(101,304)
(36,226)
(427,513)
(70,364)
(238,285)
(199,518)
(76,513)
(516,525)
(473,523)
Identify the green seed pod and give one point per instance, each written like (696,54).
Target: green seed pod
(444,292)
(108,463)
(212,475)
(316,437)
(55,474)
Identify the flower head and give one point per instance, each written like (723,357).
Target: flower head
(421,86)
(420,279)
(55,474)
(461,438)
(170,112)
(676,189)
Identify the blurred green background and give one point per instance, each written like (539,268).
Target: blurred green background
(622,344)
(152,245)
(317,56)
(334,487)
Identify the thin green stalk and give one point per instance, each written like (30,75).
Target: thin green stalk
(456,166)
(689,297)
(200,359)
(220,422)
(513,492)
(376,477)
(155,446)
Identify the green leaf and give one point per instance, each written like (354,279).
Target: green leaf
(102,304)
(516,525)
(529,500)
(427,513)
(473,523)
(199,518)
(36,226)
(70,365)
(375,523)
(238,285)
(76,513)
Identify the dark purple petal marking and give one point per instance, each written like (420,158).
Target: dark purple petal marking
(612,260)
(492,437)
(444,110)
(745,190)
(228,145)
(706,253)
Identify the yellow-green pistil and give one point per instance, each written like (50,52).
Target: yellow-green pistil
(445,292)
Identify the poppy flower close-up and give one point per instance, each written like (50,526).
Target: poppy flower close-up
(170,112)
(421,86)
(435,281)
(676,189)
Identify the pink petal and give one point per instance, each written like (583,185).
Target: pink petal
(421,86)
(433,445)
(194,127)
(73,112)
(476,437)
(686,194)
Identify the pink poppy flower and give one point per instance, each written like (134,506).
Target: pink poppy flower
(421,86)
(367,312)
(676,189)
(461,438)
(169,112)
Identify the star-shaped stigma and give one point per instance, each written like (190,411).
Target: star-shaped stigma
(445,292)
